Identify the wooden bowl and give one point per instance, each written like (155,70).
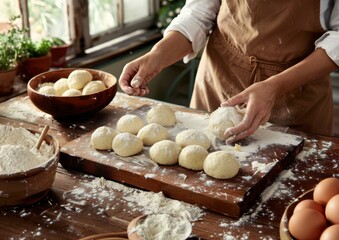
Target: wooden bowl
(74,106)
(28,187)
(283,229)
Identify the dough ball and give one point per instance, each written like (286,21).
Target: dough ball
(126,144)
(161,114)
(130,123)
(192,157)
(93,87)
(221,165)
(102,138)
(48,90)
(61,86)
(222,119)
(165,152)
(152,133)
(77,79)
(72,93)
(193,137)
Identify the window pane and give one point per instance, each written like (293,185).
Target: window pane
(48,18)
(103,15)
(135,10)
(8,9)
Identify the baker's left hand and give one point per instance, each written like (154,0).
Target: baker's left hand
(259,98)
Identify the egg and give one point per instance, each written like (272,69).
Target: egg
(325,190)
(330,233)
(310,204)
(332,210)
(307,224)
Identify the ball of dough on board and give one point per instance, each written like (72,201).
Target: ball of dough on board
(130,123)
(222,119)
(152,133)
(165,152)
(72,93)
(93,87)
(193,137)
(192,157)
(127,144)
(161,114)
(221,165)
(77,79)
(102,138)
(47,90)
(61,86)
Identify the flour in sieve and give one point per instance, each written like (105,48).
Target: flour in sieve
(17,151)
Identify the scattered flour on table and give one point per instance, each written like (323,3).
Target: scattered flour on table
(163,227)
(279,188)
(151,202)
(17,152)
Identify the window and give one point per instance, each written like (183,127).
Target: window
(84,23)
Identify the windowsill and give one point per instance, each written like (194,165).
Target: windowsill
(115,48)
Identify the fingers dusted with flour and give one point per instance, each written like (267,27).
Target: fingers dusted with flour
(138,73)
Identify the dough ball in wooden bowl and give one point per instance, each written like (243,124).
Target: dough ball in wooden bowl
(72,103)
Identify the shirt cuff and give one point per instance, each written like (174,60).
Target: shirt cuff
(197,37)
(329,42)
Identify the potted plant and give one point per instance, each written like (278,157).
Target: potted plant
(39,58)
(59,52)
(12,52)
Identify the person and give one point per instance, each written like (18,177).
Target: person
(273,57)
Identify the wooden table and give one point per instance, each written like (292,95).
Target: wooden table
(74,208)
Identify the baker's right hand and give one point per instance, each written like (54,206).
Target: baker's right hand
(136,74)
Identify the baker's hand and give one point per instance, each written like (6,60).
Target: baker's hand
(259,98)
(136,74)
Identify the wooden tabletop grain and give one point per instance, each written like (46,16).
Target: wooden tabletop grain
(75,207)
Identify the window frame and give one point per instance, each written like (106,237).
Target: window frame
(78,24)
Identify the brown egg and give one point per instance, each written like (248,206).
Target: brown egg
(330,233)
(332,210)
(309,204)
(307,224)
(326,189)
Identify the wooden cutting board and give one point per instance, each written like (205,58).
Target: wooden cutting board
(262,156)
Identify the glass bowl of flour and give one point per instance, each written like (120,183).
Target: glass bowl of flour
(26,173)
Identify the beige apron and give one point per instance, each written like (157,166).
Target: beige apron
(264,39)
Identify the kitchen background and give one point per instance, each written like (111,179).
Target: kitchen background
(107,34)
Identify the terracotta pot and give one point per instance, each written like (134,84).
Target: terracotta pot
(34,66)
(59,54)
(7,79)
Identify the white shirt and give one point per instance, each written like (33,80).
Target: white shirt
(197,18)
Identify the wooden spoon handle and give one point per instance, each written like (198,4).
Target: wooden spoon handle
(42,137)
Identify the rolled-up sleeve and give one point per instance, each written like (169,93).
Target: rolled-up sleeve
(195,21)
(329,41)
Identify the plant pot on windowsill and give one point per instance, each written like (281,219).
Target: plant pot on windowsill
(34,65)
(59,54)
(7,79)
